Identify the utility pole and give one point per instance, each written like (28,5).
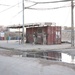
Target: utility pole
(23,22)
(72,25)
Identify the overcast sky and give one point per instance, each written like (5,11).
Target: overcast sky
(61,17)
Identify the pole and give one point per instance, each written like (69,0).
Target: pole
(23,23)
(19,33)
(72,25)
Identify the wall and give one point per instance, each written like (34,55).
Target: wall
(43,35)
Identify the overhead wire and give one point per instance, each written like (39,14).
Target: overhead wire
(44,3)
(17,13)
(30,5)
(9,7)
(47,8)
(22,10)
(4,5)
(43,9)
(35,3)
(26,8)
(48,1)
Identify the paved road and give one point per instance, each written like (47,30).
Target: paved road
(32,66)
(11,65)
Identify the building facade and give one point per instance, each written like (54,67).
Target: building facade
(45,33)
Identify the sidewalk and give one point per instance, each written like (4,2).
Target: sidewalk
(14,44)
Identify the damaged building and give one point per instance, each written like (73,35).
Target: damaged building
(43,33)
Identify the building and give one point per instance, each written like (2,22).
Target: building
(43,33)
(2,32)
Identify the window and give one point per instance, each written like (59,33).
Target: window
(39,30)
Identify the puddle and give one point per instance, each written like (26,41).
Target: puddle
(52,55)
(67,58)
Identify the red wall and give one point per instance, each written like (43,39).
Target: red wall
(53,34)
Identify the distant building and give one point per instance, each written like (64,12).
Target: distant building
(67,28)
(2,32)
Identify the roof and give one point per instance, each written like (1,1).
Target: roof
(33,25)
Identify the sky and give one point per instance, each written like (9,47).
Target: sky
(13,15)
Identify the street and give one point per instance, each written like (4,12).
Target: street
(12,63)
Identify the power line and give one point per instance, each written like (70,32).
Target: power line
(48,1)
(4,5)
(31,5)
(40,9)
(9,7)
(18,13)
(47,8)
